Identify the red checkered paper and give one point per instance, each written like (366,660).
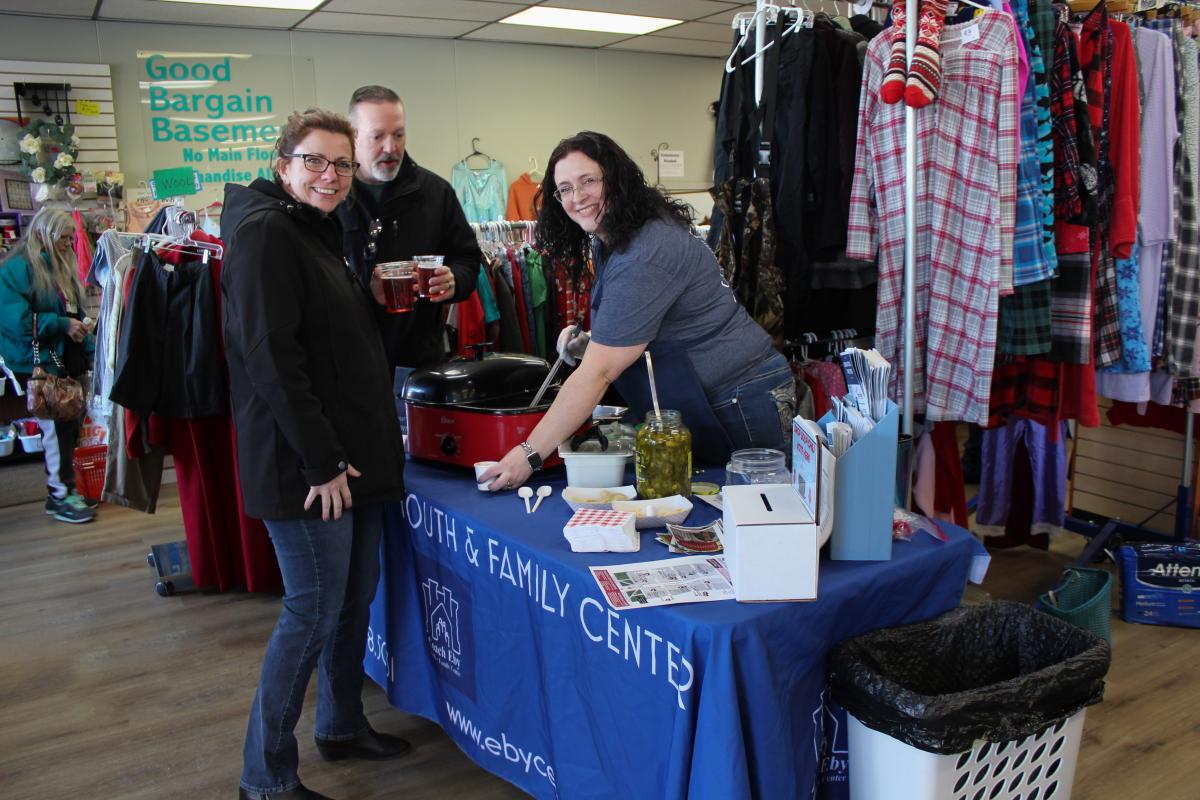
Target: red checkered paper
(599,517)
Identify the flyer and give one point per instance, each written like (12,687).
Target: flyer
(696,579)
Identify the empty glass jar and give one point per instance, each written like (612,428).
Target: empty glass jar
(757,465)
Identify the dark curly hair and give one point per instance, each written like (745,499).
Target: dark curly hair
(629,202)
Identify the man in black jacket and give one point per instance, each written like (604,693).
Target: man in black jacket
(398,210)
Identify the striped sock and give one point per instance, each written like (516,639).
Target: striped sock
(891,90)
(926,74)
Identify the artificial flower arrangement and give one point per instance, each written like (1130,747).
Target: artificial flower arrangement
(48,152)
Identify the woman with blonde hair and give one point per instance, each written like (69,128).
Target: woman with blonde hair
(39,286)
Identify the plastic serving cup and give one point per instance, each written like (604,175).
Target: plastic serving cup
(399,280)
(480,466)
(427,267)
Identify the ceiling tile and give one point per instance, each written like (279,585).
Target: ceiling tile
(679,47)
(703,31)
(50,8)
(434,9)
(669,9)
(195,14)
(726,17)
(395,26)
(529,34)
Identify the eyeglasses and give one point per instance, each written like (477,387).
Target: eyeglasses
(568,192)
(316,163)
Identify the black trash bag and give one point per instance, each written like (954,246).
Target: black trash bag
(998,672)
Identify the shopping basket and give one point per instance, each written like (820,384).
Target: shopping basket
(1083,598)
(89,470)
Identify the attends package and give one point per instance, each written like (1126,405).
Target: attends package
(1160,583)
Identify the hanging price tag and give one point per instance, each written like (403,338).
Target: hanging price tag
(970,34)
(87,108)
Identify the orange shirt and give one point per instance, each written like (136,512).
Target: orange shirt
(521,205)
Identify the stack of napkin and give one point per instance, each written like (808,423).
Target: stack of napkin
(595,530)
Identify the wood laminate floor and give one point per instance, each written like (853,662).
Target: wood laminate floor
(109,691)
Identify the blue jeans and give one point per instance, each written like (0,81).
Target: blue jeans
(758,412)
(330,571)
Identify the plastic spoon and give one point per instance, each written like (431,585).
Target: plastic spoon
(542,493)
(525,493)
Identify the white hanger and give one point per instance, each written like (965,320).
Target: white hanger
(772,12)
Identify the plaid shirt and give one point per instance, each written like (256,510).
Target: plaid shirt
(1039,60)
(1033,259)
(1183,307)
(1075,168)
(1118,155)
(965,195)
(1025,320)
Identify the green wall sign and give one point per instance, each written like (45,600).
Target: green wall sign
(177,182)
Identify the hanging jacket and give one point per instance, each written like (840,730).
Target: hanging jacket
(310,386)
(417,215)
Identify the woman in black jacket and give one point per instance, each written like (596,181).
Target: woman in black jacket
(319,446)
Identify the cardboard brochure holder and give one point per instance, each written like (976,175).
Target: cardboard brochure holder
(864,491)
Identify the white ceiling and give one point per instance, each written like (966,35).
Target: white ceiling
(705,30)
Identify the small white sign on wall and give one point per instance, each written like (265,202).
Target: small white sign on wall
(670,163)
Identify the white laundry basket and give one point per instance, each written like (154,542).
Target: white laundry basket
(1039,767)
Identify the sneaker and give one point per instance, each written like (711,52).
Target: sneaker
(71,508)
(53,503)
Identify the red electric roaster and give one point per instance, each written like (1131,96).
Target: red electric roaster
(475,410)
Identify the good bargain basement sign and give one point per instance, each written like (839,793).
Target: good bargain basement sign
(219,113)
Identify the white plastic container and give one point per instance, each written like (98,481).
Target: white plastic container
(32,444)
(594,470)
(6,446)
(1040,766)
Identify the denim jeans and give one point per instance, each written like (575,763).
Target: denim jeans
(330,570)
(758,412)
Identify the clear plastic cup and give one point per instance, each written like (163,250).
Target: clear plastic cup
(427,267)
(399,280)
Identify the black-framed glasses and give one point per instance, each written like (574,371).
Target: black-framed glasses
(316,163)
(569,191)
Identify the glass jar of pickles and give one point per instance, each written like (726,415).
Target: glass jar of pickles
(664,456)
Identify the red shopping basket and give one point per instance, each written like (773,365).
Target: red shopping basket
(89,470)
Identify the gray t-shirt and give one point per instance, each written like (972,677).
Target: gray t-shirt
(667,286)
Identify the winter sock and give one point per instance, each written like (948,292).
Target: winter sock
(926,74)
(891,90)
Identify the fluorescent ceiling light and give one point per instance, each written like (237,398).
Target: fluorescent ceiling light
(572,19)
(286,5)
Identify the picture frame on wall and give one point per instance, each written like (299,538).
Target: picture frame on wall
(17,195)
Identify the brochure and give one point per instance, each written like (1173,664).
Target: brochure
(694,579)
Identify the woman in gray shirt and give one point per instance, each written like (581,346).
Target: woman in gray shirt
(658,288)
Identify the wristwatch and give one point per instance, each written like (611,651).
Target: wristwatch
(531,455)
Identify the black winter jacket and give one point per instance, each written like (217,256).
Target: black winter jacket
(417,215)
(310,388)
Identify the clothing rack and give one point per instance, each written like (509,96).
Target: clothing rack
(1099,535)
(173,243)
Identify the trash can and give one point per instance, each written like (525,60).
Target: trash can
(983,702)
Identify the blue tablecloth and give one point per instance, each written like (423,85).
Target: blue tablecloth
(486,623)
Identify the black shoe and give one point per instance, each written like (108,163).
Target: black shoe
(371,745)
(301,792)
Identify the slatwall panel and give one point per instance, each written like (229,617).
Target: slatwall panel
(98,135)
(1127,472)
